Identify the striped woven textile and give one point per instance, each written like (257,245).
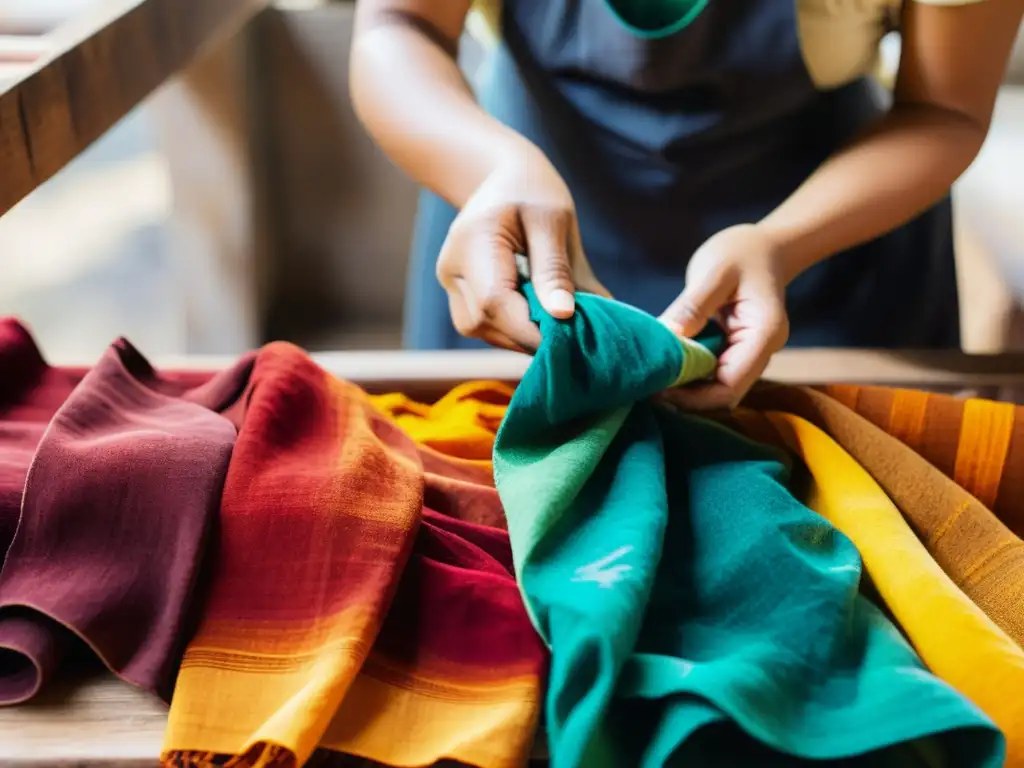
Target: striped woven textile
(974,442)
(919,447)
(361,595)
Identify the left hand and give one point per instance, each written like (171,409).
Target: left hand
(735,278)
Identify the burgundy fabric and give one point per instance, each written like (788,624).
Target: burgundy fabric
(30,393)
(118,475)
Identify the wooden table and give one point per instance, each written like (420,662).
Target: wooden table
(96,721)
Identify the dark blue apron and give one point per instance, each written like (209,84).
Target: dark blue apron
(666,139)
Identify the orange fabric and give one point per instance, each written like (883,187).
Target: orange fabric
(978,552)
(971,441)
(361,597)
(984,445)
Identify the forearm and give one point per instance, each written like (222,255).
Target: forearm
(899,167)
(409,93)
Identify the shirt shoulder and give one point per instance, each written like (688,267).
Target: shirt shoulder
(840,38)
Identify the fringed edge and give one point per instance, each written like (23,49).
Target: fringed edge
(259,756)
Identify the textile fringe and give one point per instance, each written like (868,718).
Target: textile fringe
(260,756)
(273,756)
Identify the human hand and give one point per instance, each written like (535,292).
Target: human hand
(736,279)
(523,207)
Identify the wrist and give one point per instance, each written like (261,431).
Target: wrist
(788,251)
(514,151)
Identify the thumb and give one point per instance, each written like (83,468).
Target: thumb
(697,304)
(547,238)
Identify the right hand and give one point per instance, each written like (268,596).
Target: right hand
(523,207)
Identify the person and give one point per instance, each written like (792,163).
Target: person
(727,160)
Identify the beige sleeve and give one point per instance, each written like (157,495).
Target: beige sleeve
(484,22)
(840,38)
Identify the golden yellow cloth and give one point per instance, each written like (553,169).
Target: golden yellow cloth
(978,551)
(954,637)
(462,424)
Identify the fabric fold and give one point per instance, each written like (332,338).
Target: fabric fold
(973,442)
(117,505)
(696,612)
(30,394)
(362,599)
(979,553)
(954,637)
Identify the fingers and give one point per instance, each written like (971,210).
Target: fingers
(472,324)
(548,236)
(477,269)
(697,304)
(500,311)
(739,367)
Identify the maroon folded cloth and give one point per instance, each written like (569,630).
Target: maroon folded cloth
(124,482)
(30,393)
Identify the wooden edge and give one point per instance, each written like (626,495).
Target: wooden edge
(93,721)
(392,369)
(98,66)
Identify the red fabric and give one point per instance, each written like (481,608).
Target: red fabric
(361,586)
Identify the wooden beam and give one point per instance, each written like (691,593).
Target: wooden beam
(96,67)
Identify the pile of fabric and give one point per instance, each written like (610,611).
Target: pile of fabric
(312,575)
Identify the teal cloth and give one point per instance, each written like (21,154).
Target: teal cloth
(697,613)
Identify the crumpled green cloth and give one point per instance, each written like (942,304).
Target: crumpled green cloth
(697,613)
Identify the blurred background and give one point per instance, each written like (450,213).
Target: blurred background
(242,202)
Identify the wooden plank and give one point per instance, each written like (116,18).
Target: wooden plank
(804,366)
(342,212)
(99,722)
(96,68)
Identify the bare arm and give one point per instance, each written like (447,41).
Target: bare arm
(412,98)
(952,64)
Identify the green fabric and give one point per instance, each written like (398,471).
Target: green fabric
(656,18)
(697,613)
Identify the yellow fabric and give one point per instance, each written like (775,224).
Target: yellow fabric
(956,640)
(461,424)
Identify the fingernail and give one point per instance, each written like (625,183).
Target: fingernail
(561,302)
